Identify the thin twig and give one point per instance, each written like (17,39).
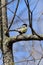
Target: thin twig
(14,15)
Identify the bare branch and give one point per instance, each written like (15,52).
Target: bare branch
(14,14)
(25,61)
(30,18)
(26,2)
(29,11)
(24,37)
(13,17)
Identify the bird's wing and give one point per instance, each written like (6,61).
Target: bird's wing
(21,30)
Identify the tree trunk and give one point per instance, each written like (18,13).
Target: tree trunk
(6,51)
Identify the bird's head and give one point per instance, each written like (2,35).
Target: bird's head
(25,25)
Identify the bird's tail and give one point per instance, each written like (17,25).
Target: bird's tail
(15,30)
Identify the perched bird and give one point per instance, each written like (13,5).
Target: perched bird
(22,29)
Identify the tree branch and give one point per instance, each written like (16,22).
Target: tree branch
(23,37)
(14,15)
(30,19)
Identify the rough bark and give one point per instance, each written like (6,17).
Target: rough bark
(6,51)
(0,23)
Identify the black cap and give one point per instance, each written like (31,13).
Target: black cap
(25,25)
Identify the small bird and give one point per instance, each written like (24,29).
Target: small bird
(22,29)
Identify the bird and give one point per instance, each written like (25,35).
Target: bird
(22,29)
